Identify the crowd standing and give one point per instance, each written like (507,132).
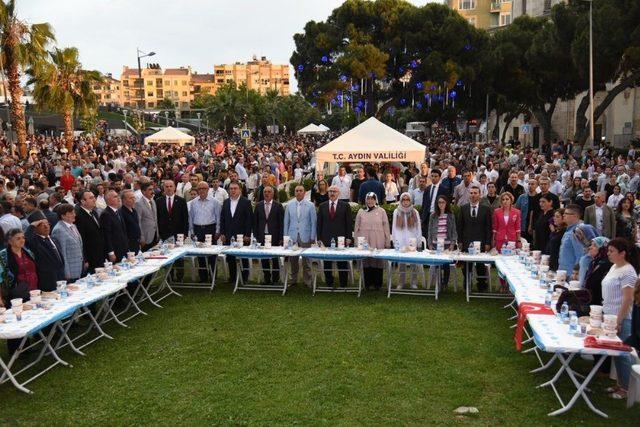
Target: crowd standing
(64,212)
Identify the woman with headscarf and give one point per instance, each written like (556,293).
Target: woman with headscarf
(598,268)
(372,224)
(406,225)
(584,233)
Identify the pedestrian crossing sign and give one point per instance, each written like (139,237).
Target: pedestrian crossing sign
(245,134)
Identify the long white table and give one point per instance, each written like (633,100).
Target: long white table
(547,332)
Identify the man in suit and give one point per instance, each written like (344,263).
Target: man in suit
(90,230)
(173,218)
(300,225)
(116,243)
(601,216)
(49,261)
(475,224)
(69,242)
(236,218)
(130,218)
(147,217)
(173,215)
(269,219)
(429,198)
(334,220)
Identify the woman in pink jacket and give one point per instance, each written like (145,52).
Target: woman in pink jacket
(506,226)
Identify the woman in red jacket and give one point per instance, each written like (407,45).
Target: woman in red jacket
(67,180)
(506,226)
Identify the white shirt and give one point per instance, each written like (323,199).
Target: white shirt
(9,222)
(344,185)
(612,285)
(242,172)
(220,194)
(599,218)
(233,204)
(492,175)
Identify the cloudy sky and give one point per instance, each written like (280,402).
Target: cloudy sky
(200,33)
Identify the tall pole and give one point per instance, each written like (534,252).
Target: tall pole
(140,76)
(592,124)
(486,120)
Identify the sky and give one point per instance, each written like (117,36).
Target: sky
(200,33)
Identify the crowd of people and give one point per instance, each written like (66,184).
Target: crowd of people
(63,213)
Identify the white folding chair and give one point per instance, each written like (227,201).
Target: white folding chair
(633,394)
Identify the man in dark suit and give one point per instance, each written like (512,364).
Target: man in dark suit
(475,224)
(334,220)
(269,219)
(173,218)
(236,218)
(429,198)
(114,232)
(47,256)
(90,230)
(130,218)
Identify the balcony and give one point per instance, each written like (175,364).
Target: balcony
(495,6)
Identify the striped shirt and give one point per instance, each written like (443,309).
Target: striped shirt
(204,212)
(616,279)
(442,227)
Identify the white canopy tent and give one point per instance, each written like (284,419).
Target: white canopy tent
(169,135)
(323,127)
(371,141)
(311,129)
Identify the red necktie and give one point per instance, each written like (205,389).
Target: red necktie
(332,211)
(170,208)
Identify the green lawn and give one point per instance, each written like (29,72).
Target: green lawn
(261,359)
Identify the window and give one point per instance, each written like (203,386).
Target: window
(505,19)
(150,94)
(167,82)
(184,83)
(175,83)
(184,93)
(466,4)
(150,104)
(149,82)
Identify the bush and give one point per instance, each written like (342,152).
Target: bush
(283,196)
(308,183)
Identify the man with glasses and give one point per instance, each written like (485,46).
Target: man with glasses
(334,220)
(571,249)
(204,218)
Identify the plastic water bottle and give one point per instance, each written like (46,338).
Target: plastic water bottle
(472,249)
(333,243)
(396,245)
(365,245)
(140,257)
(504,249)
(439,248)
(564,311)
(573,322)
(90,281)
(548,297)
(233,242)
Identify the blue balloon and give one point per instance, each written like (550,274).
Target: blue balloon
(343,78)
(453,94)
(419,85)
(419,105)
(324,58)
(414,64)
(357,109)
(400,70)
(300,67)
(403,101)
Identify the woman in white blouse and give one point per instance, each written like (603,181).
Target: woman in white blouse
(390,189)
(617,299)
(406,225)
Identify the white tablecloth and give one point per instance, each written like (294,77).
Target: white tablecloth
(273,252)
(423,257)
(328,254)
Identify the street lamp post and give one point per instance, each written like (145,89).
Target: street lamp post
(591,123)
(144,55)
(199,114)
(166,116)
(125,120)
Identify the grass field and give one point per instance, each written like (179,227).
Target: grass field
(261,359)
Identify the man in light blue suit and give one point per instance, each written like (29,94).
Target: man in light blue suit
(300,226)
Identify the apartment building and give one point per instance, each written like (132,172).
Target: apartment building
(258,74)
(484,14)
(108,92)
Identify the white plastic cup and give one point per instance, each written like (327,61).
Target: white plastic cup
(478,246)
(595,309)
(285,241)
(610,319)
(16,307)
(267,241)
(240,240)
(341,242)
(574,285)
(561,275)
(360,242)
(34,293)
(208,238)
(536,255)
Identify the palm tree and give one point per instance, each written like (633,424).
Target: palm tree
(62,85)
(228,107)
(22,45)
